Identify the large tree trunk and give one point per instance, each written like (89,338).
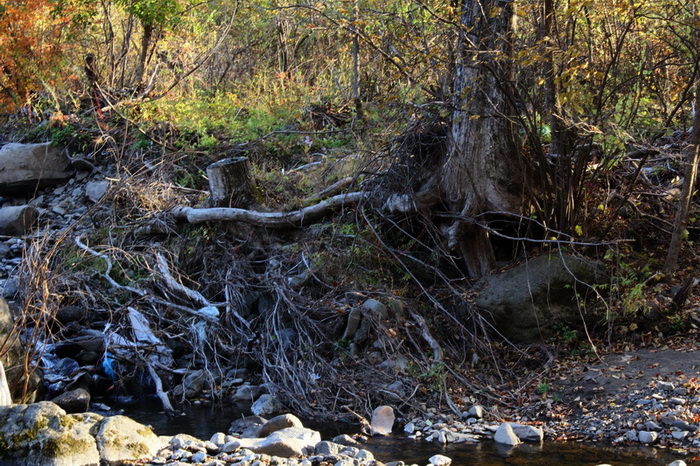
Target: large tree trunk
(686,200)
(482,171)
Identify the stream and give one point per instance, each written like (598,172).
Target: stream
(203,421)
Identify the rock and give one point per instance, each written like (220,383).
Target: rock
(279,422)
(328,448)
(505,435)
(121,439)
(440,460)
(651,425)
(354,317)
(647,437)
(409,428)
(17,220)
(68,314)
(679,434)
(186,442)
(677,463)
(377,308)
(74,401)
(476,411)
(218,439)
(526,301)
(198,457)
(346,440)
(26,167)
(42,433)
(248,392)
(265,405)
(382,420)
(528,433)
(292,441)
(95,190)
(8,287)
(247,427)
(665,386)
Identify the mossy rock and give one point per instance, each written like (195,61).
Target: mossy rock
(43,434)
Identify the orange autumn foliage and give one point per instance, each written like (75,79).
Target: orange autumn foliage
(34,35)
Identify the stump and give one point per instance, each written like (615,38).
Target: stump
(231,182)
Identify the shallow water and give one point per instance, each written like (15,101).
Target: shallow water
(204,421)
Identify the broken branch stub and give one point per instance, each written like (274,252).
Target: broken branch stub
(295,218)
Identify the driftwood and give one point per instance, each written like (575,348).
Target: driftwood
(296,218)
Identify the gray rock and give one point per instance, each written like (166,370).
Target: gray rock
(31,166)
(476,411)
(679,434)
(647,437)
(74,401)
(354,317)
(120,439)
(526,301)
(665,386)
(382,420)
(377,308)
(17,220)
(42,433)
(95,190)
(279,422)
(528,433)
(440,460)
(292,441)
(218,439)
(8,288)
(185,442)
(346,440)
(248,392)
(266,405)
(651,425)
(326,448)
(198,457)
(247,427)
(364,455)
(505,435)
(409,428)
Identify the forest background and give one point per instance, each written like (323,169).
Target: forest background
(599,99)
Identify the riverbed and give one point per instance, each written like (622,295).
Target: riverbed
(202,421)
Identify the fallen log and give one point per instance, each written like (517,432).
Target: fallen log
(296,218)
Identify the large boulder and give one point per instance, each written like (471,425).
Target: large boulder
(32,166)
(526,301)
(292,441)
(43,434)
(121,439)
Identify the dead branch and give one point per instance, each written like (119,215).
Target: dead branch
(437,351)
(173,284)
(296,218)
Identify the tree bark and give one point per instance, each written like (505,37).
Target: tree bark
(681,222)
(482,171)
(231,182)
